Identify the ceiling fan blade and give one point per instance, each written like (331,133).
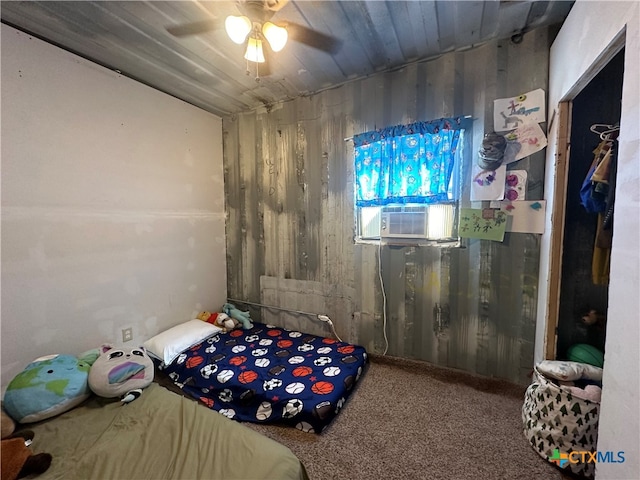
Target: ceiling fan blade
(313,38)
(194,28)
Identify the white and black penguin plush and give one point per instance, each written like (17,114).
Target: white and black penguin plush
(121,373)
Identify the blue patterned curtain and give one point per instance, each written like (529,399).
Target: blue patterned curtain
(407,163)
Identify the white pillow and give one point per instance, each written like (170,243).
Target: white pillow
(567,371)
(167,345)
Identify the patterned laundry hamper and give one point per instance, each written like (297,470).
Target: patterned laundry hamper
(553,418)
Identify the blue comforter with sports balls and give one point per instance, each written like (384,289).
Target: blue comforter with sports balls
(270,374)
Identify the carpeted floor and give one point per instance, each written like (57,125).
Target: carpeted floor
(410,420)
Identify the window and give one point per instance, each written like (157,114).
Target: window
(407,180)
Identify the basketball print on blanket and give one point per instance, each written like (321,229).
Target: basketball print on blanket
(271,374)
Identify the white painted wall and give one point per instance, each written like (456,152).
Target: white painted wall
(592,26)
(112,206)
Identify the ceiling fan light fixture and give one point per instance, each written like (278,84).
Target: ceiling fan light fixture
(254,51)
(238,28)
(275,35)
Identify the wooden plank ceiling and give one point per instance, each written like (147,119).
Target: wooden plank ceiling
(208,70)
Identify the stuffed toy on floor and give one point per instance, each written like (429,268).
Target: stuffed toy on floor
(121,373)
(48,386)
(17,460)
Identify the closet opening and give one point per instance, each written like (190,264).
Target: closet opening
(589,212)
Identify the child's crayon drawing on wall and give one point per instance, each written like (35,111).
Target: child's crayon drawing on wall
(512,113)
(485,224)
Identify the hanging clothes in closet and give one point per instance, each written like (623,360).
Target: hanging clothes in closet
(597,195)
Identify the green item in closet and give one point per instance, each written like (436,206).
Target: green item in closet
(584,353)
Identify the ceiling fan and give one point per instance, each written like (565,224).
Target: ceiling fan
(255,28)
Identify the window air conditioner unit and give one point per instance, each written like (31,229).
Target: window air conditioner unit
(404,222)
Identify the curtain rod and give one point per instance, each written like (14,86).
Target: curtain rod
(351,138)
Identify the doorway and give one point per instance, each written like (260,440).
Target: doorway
(583,286)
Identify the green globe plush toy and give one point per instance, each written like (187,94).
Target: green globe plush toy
(47,387)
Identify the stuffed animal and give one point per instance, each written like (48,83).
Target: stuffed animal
(593,317)
(242,317)
(207,317)
(47,387)
(225,322)
(121,373)
(222,320)
(8,425)
(17,460)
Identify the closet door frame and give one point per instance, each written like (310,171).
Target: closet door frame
(559,192)
(558,216)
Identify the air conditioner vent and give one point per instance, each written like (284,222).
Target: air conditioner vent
(430,222)
(404,222)
(417,222)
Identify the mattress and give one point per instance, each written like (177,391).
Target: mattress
(269,374)
(160,435)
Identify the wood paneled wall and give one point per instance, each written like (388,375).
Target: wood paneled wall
(291,219)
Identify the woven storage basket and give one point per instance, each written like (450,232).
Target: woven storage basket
(555,419)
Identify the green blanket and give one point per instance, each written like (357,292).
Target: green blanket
(160,435)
